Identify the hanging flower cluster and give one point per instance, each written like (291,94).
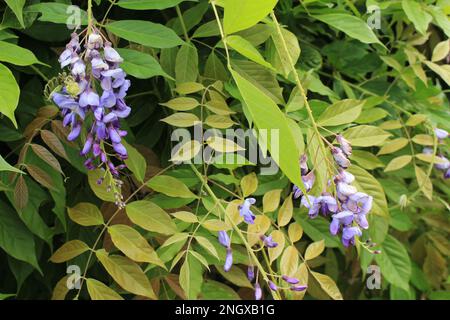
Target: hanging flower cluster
(348,208)
(444,164)
(94,95)
(266,242)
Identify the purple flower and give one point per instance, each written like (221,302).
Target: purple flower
(111,54)
(258,292)
(75,132)
(342,218)
(308,181)
(87,145)
(444,164)
(228,260)
(273,286)
(298,288)
(224,239)
(345,145)
(244,210)
(447,174)
(325,204)
(349,234)
(268,241)
(345,177)
(251,273)
(290,280)
(359,203)
(345,190)
(304,164)
(441,134)
(340,157)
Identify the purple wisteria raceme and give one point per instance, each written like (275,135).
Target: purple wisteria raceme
(93,99)
(348,207)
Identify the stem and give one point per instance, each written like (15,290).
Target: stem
(300,86)
(235,227)
(183,25)
(222,33)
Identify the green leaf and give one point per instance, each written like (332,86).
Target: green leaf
(213,290)
(191,277)
(352,26)
(5,166)
(55,12)
(101,190)
(99,291)
(170,186)
(140,65)
(68,251)
(366,183)
(17,7)
(267,116)
(398,163)
(135,162)
(15,238)
(366,160)
(127,274)
(366,136)
(245,48)
(149,4)
(133,245)
(9,93)
(181,104)
(394,262)
(317,229)
(85,214)
(341,112)
(149,216)
(253,11)
(146,33)
(417,15)
(186,65)
(14,54)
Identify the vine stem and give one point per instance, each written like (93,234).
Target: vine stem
(106,225)
(235,228)
(300,86)
(222,34)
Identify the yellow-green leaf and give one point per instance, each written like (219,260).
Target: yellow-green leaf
(69,251)
(182,119)
(181,104)
(328,285)
(271,200)
(393,146)
(289,261)
(249,184)
(278,237)
(398,163)
(149,216)
(341,112)
(86,214)
(170,186)
(127,274)
(286,211)
(314,250)
(133,244)
(99,291)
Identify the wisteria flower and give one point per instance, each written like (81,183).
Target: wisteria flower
(345,145)
(244,211)
(228,260)
(342,218)
(290,280)
(349,234)
(251,273)
(340,157)
(258,292)
(224,239)
(441,134)
(308,182)
(359,202)
(268,241)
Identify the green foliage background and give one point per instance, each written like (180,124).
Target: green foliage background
(309,68)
